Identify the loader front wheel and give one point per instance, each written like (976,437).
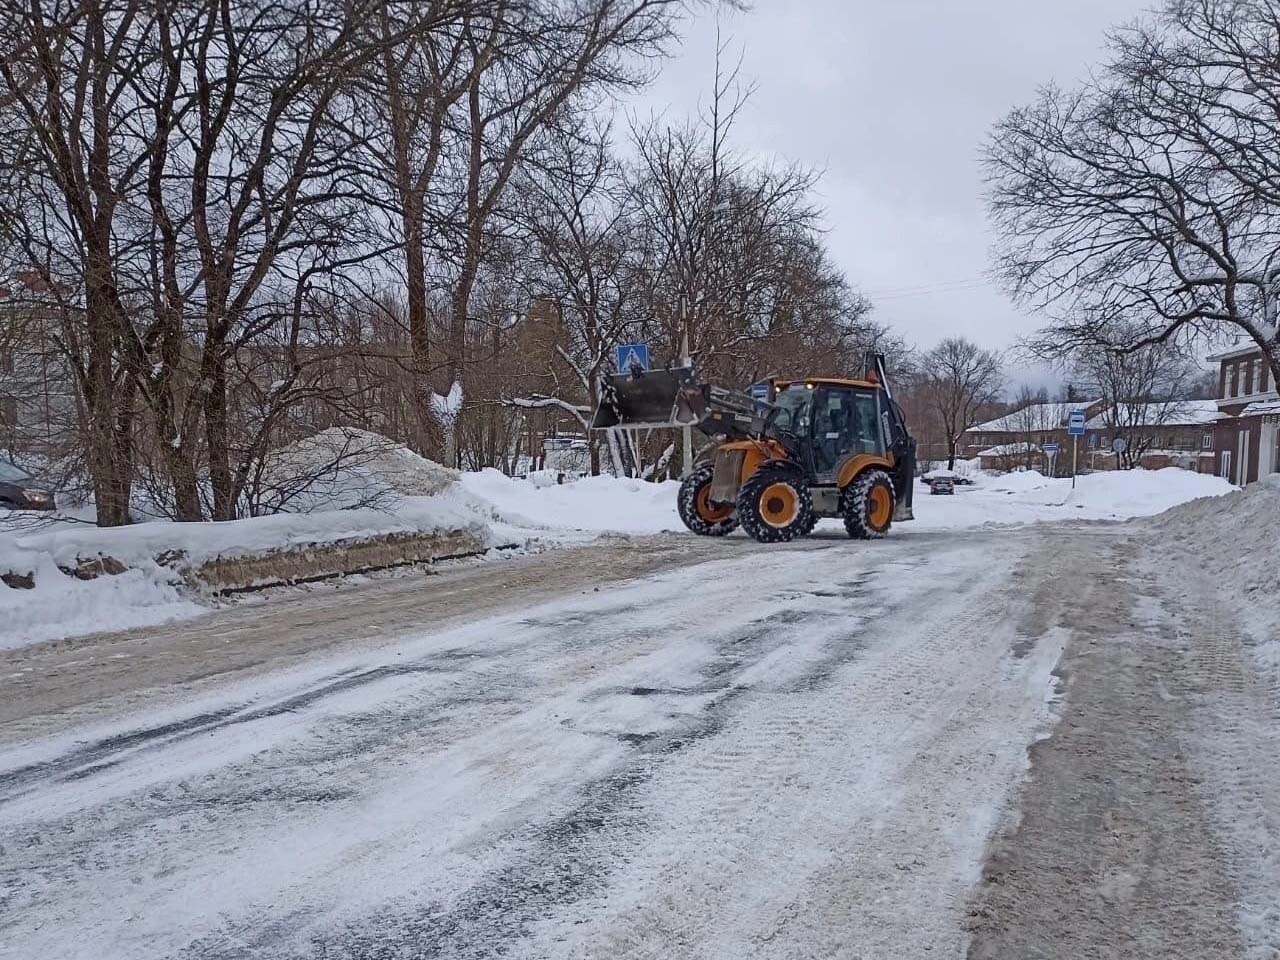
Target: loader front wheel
(868,504)
(775,506)
(699,514)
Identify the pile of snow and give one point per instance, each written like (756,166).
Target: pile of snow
(63,606)
(1030,497)
(343,468)
(599,504)
(152,592)
(370,487)
(1233,538)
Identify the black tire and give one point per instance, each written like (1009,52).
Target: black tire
(866,516)
(810,524)
(691,490)
(756,504)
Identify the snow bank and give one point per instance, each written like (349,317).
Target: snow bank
(1234,542)
(414,496)
(159,554)
(64,606)
(344,468)
(1030,497)
(599,504)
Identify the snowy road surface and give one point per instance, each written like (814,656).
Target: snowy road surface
(797,751)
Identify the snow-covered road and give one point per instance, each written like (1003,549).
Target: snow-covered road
(781,752)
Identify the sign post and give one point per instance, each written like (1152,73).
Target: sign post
(1050,450)
(1075,427)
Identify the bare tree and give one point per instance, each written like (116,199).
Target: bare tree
(580,217)
(530,63)
(959,378)
(1150,196)
(1032,417)
(190,167)
(1143,390)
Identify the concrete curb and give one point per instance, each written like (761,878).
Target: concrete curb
(314,562)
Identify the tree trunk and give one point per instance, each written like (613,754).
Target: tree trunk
(426,433)
(112,483)
(458,338)
(186,488)
(216,439)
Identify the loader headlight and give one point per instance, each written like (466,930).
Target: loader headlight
(36,496)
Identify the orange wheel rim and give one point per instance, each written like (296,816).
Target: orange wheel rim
(879,507)
(707,510)
(779,504)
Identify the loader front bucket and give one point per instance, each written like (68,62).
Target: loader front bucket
(650,399)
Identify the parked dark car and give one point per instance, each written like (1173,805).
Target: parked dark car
(941,486)
(20,491)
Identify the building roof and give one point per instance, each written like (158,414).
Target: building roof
(1034,418)
(1242,349)
(1173,413)
(1261,407)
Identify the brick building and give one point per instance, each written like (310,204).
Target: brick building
(1017,439)
(1247,437)
(1175,433)
(1178,433)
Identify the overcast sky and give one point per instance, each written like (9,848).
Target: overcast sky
(893,99)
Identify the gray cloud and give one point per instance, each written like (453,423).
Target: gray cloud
(893,100)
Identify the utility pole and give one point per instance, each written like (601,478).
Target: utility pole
(686,432)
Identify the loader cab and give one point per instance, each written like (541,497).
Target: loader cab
(828,422)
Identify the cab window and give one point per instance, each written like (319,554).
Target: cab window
(790,413)
(845,422)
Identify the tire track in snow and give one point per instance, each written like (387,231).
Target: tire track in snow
(117,817)
(794,824)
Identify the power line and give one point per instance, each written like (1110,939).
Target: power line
(893,293)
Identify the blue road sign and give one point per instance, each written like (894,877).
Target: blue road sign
(1075,425)
(760,395)
(1050,449)
(631,356)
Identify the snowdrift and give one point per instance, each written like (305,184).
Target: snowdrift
(72,579)
(1030,497)
(1235,539)
(602,504)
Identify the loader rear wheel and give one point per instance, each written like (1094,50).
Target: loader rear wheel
(868,504)
(775,506)
(699,514)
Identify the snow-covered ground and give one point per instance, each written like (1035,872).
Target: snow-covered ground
(773,752)
(1029,497)
(493,507)
(700,764)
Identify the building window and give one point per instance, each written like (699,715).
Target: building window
(8,412)
(6,361)
(1233,380)
(1264,375)
(1206,442)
